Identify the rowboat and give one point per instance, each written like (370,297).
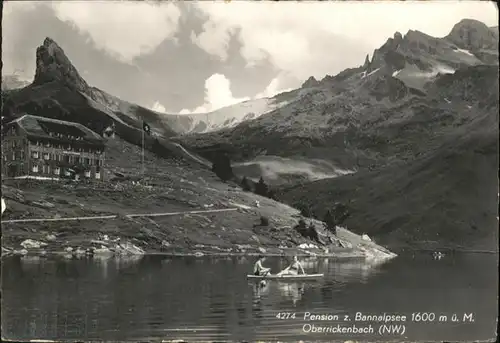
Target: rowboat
(286,277)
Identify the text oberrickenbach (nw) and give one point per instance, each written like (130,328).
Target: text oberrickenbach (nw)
(383,323)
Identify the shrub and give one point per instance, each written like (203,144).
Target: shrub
(261,188)
(272,195)
(304,209)
(264,221)
(302,223)
(245,184)
(222,167)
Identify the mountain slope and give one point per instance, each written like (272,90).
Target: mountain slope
(10,82)
(230,116)
(58,89)
(419,124)
(339,117)
(167,183)
(445,198)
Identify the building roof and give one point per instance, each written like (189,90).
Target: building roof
(43,127)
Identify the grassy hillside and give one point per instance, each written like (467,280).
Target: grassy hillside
(173,185)
(445,198)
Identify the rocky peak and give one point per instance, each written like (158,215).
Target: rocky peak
(52,64)
(413,37)
(398,37)
(367,62)
(310,82)
(388,54)
(473,35)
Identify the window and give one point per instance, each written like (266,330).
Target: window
(22,154)
(48,169)
(57,171)
(35,154)
(35,169)
(97,176)
(13,156)
(46,156)
(87,161)
(44,169)
(87,173)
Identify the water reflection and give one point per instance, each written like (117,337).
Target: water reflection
(136,297)
(279,290)
(291,290)
(353,271)
(242,260)
(116,263)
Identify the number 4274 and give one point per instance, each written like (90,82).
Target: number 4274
(285,315)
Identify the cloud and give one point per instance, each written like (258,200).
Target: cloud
(214,39)
(124,29)
(218,94)
(272,89)
(318,38)
(158,107)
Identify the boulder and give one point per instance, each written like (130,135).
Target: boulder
(32,244)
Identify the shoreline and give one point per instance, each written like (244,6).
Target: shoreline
(189,253)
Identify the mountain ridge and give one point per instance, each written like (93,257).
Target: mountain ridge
(397,120)
(52,64)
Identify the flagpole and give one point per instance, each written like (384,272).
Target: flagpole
(143,148)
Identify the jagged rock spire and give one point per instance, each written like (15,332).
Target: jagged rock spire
(52,64)
(367,62)
(310,82)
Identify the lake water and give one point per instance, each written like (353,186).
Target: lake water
(166,298)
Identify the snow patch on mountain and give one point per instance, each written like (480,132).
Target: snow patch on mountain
(370,73)
(394,74)
(233,115)
(465,52)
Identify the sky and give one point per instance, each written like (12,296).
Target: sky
(184,57)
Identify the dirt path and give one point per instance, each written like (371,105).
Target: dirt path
(116,216)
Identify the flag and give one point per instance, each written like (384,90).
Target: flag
(109,131)
(146,128)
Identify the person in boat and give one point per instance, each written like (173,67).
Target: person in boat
(259,269)
(293,269)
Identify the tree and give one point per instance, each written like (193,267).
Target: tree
(222,167)
(272,195)
(261,188)
(330,221)
(245,184)
(304,209)
(264,221)
(340,213)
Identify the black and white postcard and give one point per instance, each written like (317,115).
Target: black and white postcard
(249,171)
